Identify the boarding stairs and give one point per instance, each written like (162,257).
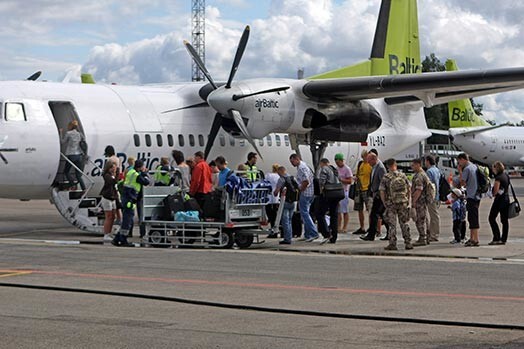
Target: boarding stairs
(80,208)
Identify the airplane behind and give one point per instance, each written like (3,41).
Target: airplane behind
(484,142)
(377,103)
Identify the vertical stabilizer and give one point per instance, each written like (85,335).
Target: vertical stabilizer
(461,112)
(396,48)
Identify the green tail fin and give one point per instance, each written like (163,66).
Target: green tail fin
(87,78)
(461,112)
(396,47)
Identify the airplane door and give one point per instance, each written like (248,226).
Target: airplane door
(493,147)
(29,149)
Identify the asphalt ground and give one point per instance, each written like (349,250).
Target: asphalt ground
(463,287)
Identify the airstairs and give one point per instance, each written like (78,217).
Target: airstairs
(80,208)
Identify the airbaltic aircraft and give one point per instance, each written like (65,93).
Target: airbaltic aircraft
(377,101)
(484,142)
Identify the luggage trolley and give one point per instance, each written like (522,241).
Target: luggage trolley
(243,220)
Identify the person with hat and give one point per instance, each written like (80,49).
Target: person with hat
(135,179)
(458,208)
(345,176)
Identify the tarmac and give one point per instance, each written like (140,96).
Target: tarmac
(48,227)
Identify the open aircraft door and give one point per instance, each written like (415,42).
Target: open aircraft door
(29,140)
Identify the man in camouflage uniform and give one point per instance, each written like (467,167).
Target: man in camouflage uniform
(420,195)
(394,192)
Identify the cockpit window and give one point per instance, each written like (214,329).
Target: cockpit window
(14,112)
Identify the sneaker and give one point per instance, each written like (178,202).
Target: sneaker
(359,231)
(311,239)
(408,247)
(324,240)
(420,243)
(454,242)
(495,242)
(284,242)
(471,243)
(433,239)
(108,237)
(391,248)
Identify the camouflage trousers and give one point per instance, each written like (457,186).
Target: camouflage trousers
(421,221)
(390,216)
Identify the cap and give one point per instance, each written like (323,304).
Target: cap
(457,192)
(339,156)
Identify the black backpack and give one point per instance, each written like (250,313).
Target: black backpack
(292,191)
(443,188)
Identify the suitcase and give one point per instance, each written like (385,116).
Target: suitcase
(213,206)
(172,204)
(296,224)
(192,205)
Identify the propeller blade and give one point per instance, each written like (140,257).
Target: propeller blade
(235,115)
(35,76)
(199,63)
(215,127)
(238,56)
(276,89)
(198,105)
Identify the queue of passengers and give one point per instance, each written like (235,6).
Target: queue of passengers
(322,198)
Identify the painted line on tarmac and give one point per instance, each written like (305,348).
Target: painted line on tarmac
(7,273)
(55,242)
(282,286)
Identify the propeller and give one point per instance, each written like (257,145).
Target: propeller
(235,115)
(35,76)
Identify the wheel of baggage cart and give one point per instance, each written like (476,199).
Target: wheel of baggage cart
(158,238)
(227,239)
(243,240)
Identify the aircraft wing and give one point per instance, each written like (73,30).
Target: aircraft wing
(479,130)
(439,132)
(429,88)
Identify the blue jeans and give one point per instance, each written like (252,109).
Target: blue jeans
(310,231)
(287,214)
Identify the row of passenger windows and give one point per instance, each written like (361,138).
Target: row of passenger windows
(514,141)
(194,140)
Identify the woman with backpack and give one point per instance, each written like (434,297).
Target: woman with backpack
(288,187)
(328,201)
(500,205)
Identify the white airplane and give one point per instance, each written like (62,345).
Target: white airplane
(334,112)
(484,142)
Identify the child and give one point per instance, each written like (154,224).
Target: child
(458,207)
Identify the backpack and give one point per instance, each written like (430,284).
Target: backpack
(483,183)
(291,189)
(443,188)
(398,188)
(429,190)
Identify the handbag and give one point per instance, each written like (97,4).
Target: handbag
(334,191)
(514,207)
(352,192)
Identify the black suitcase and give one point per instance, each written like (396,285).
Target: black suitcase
(213,207)
(296,225)
(192,205)
(172,204)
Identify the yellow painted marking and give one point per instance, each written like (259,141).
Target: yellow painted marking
(6,273)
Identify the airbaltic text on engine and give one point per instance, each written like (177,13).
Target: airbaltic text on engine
(266,104)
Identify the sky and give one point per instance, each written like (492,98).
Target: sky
(140,41)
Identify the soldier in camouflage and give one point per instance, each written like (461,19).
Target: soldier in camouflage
(394,192)
(421,194)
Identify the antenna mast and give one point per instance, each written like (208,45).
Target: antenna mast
(198,36)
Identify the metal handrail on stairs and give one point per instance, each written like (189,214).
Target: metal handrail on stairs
(85,192)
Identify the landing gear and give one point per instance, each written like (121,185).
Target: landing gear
(317,152)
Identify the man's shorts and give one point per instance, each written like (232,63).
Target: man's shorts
(363,199)
(343,205)
(108,205)
(472,207)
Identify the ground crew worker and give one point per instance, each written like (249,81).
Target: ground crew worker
(162,173)
(135,179)
(419,197)
(394,192)
(253,173)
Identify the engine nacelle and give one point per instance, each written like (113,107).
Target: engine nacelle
(344,122)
